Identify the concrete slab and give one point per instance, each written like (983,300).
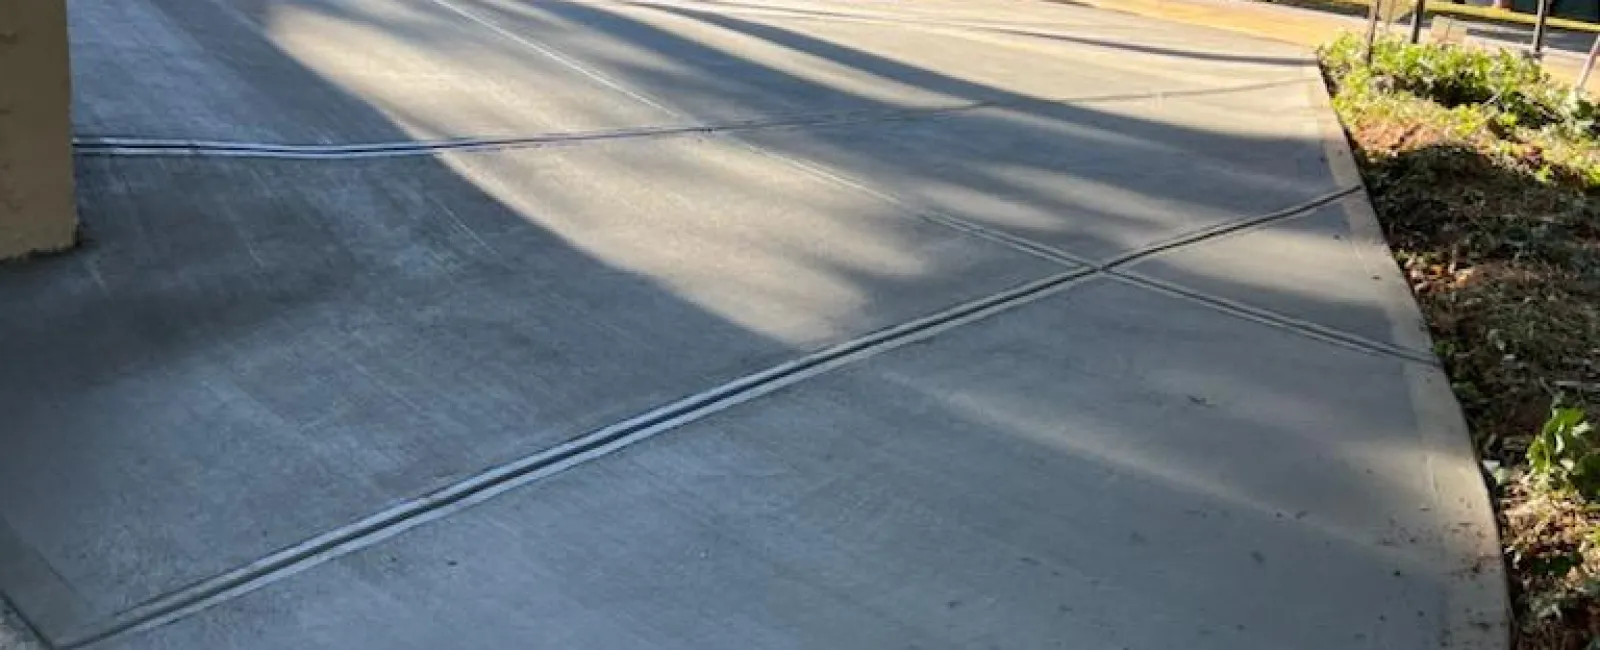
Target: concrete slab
(319,71)
(1079,472)
(715,65)
(14,634)
(1103,43)
(1313,268)
(251,352)
(1095,180)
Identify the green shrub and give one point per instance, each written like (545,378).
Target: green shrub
(1564,454)
(1513,86)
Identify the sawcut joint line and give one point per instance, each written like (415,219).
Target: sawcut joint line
(1113,265)
(598,443)
(481,487)
(489,484)
(1274,319)
(131,146)
(1228,227)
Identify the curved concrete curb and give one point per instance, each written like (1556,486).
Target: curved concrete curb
(1478,606)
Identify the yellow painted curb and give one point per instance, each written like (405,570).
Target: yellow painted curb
(1305,27)
(1489,14)
(1310,30)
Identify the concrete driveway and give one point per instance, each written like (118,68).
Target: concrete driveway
(721,324)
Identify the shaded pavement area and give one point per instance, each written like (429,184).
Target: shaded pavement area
(721,324)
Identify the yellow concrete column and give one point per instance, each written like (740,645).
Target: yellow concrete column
(37,211)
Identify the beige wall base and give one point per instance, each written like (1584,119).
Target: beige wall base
(37,210)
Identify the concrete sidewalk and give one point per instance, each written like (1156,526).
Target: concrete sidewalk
(695,324)
(14,632)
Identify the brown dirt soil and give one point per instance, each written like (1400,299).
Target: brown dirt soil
(1503,254)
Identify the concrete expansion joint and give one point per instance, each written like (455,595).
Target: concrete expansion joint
(1113,266)
(19,633)
(605,441)
(1019,243)
(1115,269)
(134,146)
(595,444)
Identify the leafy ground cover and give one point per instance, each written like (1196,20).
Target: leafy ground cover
(1485,175)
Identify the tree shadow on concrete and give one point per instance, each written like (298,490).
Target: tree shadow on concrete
(1165,175)
(718,10)
(252,352)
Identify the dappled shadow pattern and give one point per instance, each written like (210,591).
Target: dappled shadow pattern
(250,353)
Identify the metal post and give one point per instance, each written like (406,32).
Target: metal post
(1538,27)
(1588,66)
(1417,13)
(1372,28)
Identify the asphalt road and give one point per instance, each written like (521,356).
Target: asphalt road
(721,324)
